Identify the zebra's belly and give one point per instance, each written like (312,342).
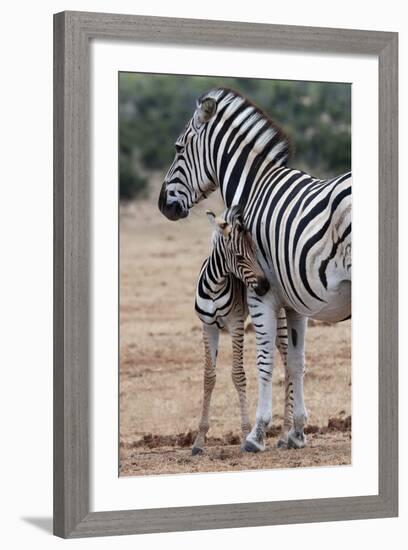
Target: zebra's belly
(337,306)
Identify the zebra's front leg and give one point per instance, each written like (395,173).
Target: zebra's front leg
(210,339)
(296,369)
(238,375)
(264,320)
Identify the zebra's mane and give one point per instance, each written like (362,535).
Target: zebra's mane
(273,142)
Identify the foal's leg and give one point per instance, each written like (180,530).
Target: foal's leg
(264,320)
(282,345)
(238,375)
(296,368)
(210,339)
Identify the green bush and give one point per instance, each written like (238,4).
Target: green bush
(131,184)
(153,110)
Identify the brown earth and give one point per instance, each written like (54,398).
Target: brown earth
(161,362)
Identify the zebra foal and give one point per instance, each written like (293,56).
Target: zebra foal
(221,302)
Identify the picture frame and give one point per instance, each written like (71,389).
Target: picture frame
(73,32)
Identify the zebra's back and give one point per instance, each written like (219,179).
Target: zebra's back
(302,226)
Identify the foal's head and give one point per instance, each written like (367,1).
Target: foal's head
(234,250)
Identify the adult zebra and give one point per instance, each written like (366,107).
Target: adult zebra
(301,226)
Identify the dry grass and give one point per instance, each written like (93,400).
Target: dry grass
(161,362)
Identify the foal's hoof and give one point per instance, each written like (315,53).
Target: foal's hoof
(296,440)
(282,444)
(197,451)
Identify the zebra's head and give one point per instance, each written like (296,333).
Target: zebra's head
(235,250)
(191,176)
(227,142)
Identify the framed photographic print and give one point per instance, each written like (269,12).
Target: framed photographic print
(219,360)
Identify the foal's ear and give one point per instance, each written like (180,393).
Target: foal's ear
(210,216)
(219,224)
(214,221)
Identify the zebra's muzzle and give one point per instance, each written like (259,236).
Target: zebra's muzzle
(173,210)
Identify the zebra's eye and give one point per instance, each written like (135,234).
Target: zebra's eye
(223,225)
(179,148)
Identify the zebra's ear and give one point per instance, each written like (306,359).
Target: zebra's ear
(218,223)
(206,109)
(211,217)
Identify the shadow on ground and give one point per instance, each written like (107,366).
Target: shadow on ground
(45,524)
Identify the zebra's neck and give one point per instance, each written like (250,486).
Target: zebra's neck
(245,145)
(213,279)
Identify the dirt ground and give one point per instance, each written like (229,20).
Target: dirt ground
(161,362)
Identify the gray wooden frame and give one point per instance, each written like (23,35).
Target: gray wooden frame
(72,34)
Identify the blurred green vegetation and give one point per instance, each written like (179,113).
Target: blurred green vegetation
(153,110)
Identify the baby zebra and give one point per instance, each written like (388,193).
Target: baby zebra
(221,303)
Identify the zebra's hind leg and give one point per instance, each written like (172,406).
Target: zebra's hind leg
(287,413)
(264,319)
(210,339)
(238,376)
(296,369)
(282,345)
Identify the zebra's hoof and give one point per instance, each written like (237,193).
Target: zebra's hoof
(252,447)
(197,451)
(296,440)
(282,444)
